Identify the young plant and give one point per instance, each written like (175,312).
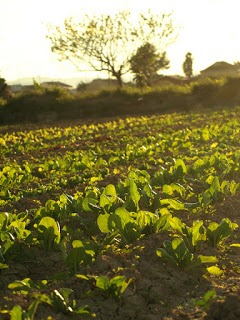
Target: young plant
(205,301)
(18,313)
(217,191)
(113,287)
(108,197)
(59,300)
(121,222)
(82,252)
(177,252)
(217,233)
(195,235)
(48,233)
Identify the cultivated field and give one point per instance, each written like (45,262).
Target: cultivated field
(133,218)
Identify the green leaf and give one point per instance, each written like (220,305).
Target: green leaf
(134,194)
(215,271)
(121,217)
(102,283)
(207,259)
(23,286)
(172,203)
(3,266)
(215,186)
(180,166)
(236,245)
(108,196)
(103,222)
(216,233)
(167,189)
(49,232)
(204,302)
(16,313)
(33,308)
(177,252)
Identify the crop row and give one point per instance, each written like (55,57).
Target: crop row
(103,189)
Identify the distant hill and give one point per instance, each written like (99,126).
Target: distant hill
(28,81)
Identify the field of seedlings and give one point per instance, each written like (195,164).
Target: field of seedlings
(127,219)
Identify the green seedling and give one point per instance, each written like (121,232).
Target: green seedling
(17,313)
(217,191)
(217,233)
(195,235)
(61,301)
(178,170)
(48,233)
(110,287)
(82,252)
(161,177)
(18,228)
(113,287)
(177,252)
(205,301)
(174,188)
(108,197)
(27,285)
(121,222)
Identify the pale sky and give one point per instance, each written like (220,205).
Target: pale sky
(210,30)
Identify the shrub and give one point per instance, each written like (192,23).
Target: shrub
(206,86)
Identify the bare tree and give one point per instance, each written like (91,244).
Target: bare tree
(106,43)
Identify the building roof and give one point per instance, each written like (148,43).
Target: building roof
(220,66)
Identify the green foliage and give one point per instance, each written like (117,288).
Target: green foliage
(187,65)
(27,285)
(113,287)
(122,222)
(205,301)
(110,287)
(195,235)
(60,300)
(18,313)
(146,62)
(48,233)
(217,233)
(108,197)
(206,86)
(113,189)
(217,190)
(81,252)
(3,102)
(177,252)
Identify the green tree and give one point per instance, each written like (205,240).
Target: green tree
(5,91)
(188,65)
(145,63)
(106,43)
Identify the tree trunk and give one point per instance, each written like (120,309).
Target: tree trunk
(118,76)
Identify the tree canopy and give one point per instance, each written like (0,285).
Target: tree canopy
(145,63)
(107,42)
(188,65)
